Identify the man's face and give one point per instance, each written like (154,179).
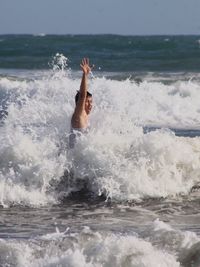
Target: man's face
(88,104)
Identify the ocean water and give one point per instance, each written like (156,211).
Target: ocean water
(128,194)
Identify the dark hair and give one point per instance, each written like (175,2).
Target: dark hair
(78,93)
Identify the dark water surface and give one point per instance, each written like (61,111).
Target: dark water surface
(108,52)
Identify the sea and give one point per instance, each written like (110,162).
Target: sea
(128,193)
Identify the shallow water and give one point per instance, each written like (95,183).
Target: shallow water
(75,234)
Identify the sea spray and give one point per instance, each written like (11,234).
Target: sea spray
(99,248)
(116,158)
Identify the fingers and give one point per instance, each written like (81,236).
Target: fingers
(85,61)
(85,65)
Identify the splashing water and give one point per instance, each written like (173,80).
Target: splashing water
(116,158)
(59,62)
(166,247)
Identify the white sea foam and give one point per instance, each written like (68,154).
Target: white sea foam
(40,35)
(87,248)
(184,244)
(116,157)
(166,237)
(159,245)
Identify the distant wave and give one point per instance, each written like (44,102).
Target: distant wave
(40,35)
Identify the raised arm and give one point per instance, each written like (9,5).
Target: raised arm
(82,109)
(83,88)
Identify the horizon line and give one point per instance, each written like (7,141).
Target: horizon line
(101,34)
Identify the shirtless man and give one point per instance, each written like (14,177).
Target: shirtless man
(83,100)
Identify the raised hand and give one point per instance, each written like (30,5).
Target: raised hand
(85,66)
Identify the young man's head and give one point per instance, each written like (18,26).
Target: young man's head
(88,102)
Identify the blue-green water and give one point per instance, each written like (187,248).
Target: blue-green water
(108,52)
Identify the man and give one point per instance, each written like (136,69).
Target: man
(83,100)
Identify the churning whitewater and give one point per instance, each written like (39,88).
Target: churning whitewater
(118,158)
(160,245)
